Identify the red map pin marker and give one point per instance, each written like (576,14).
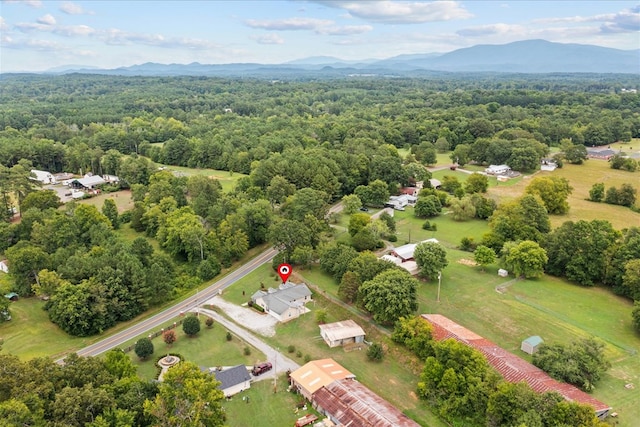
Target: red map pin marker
(284,271)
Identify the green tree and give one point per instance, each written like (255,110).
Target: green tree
(575,154)
(457,381)
(611,196)
(476,183)
(286,235)
(390,295)
(306,201)
(279,189)
(110,210)
(631,279)
(484,256)
(596,194)
(523,219)
(43,199)
(335,259)
(357,222)
(119,364)
(581,363)
(525,259)
(626,195)
(635,315)
(580,251)
(187,397)
(450,184)
(375,352)
(26,261)
(431,258)
(461,154)
(349,286)
(143,348)
(462,209)
(553,191)
(427,207)
(414,333)
(351,204)
(616,161)
(191,325)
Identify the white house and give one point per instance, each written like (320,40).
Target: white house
(399,202)
(4,267)
(44,177)
(112,179)
(341,333)
(285,303)
(233,380)
(497,169)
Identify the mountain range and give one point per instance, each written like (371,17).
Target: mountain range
(529,56)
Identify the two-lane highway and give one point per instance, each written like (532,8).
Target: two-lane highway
(181,307)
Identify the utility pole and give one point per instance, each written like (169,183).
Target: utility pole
(439,280)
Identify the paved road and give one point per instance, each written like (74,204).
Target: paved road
(181,307)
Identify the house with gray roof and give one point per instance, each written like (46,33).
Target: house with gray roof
(285,303)
(233,380)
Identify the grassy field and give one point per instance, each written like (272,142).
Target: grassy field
(227,179)
(122,198)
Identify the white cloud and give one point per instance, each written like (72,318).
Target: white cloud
(73,9)
(291,24)
(47,19)
(492,29)
(31,3)
(119,37)
(627,20)
(268,39)
(347,30)
(391,12)
(3,25)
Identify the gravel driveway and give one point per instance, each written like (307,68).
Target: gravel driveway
(262,324)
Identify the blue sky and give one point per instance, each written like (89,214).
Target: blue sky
(37,35)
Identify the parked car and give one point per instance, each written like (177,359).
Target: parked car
(363,209)
(261,368)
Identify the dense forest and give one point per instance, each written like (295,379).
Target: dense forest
(302,146)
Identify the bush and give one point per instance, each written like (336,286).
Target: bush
(467,244)
(298,353)
(392,238)
(143,348)
(307,358)
(209,322)
(169,337)
(375,353)
(208,268)
(291,348)
(191,325)
(247,351)
(229,336)
(125,217)
(635,314)
(321,316)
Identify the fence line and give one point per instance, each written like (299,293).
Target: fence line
(156,334)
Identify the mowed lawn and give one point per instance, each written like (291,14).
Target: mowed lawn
(227,179)
(122,198)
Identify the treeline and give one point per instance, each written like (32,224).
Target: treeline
(102,392)
(68,122)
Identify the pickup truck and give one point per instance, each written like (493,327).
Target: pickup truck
(261,368)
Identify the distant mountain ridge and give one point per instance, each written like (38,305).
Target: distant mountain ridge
(528,56)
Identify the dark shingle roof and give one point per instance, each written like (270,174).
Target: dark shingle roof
(232,376)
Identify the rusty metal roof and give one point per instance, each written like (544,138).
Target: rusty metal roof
(353,404)
(511,367)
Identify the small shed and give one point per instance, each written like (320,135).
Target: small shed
(341,333)
(233,380)
(4,266)
(531,344)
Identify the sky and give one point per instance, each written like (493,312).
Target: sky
(37,35)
